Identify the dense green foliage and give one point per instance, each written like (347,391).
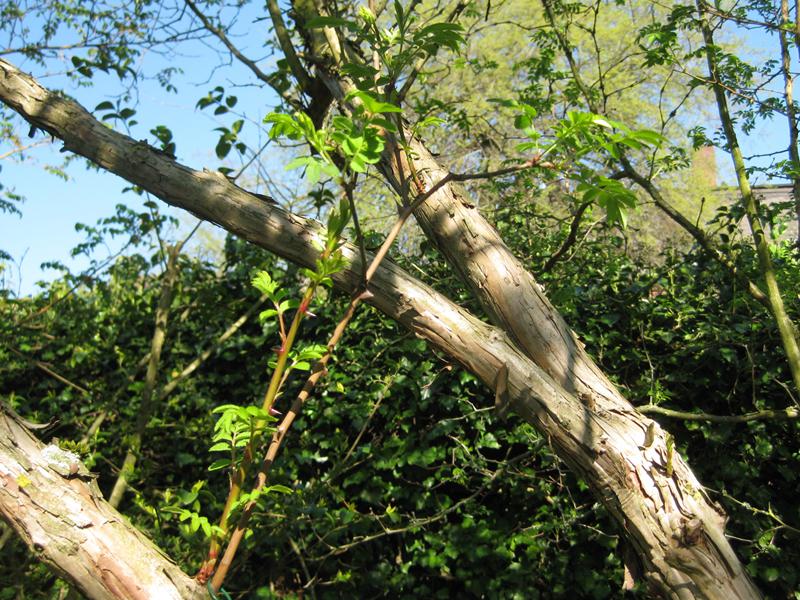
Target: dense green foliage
(404,483)
(399,479)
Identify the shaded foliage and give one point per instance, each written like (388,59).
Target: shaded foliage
(403,482)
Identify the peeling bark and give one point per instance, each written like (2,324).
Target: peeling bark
(62,517)
(514,301)
(677,533)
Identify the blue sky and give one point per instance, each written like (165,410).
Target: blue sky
(46,230)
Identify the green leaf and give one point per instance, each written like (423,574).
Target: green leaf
(360,71)
(649,137)
(298,162)
(314,167)
(224,408)
(372,104)
(522,121)
(223,148)
(187,497)
(358,164)
(283,125)
(631,143)
(386,123)
(321,22)
(256,412)
(264,284)
(602,122)
(222,463)
(205,526)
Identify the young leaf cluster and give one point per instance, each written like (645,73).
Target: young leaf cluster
(186,506)
(398,47)
(358,139)
(237,428)
(582,137)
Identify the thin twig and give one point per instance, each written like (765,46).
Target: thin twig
(220,33)
(433,518)
(19,149)
(43,367)
(784,414)
(570,239)
(759,511)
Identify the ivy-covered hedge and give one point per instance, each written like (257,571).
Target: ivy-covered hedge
(404,482)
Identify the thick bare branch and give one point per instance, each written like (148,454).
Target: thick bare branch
(56,508)
(285,41)
(678,536)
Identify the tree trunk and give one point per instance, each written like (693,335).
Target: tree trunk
(515,302)
(55,506)
(677,533)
